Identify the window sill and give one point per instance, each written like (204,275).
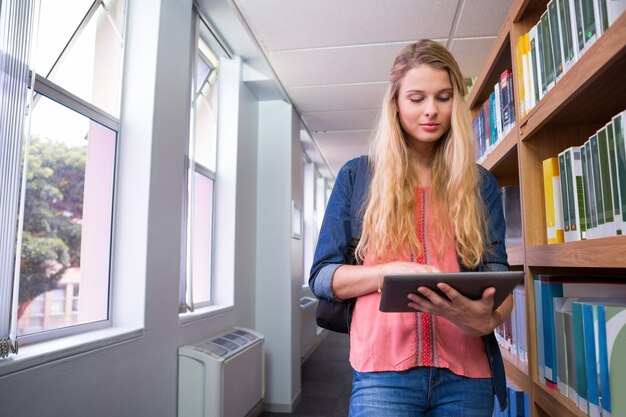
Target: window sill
(204,312)
(45,352)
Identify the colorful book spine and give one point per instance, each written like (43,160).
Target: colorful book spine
(612,326)
(614,178)
(553,202)
(620,163)
(591,368)
(579,350)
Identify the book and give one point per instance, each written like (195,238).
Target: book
(565,29)
(605,179)
(549,290)
(575,194)
(612,337)
(598,193)
(529,71)
(577,17)
(593,392)
(547,52)
(506,87)
(535,63)
(602,18)
(572,378)
(589,22)
(614,178)
(560,344)
(579,357)
(539,334)
(584,162)
(565,196)
(620,163)
(555,34)
(592,228)
(552,201)
(521,77)
(511,205)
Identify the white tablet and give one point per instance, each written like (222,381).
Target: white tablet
(396,287)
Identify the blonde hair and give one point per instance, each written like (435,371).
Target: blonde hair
(388,219)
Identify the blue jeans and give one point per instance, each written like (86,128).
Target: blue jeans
(422,391)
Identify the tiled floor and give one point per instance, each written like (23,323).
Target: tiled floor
(326,381)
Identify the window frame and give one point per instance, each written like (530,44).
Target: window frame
(202,31)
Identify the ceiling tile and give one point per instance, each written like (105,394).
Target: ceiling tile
(471,54)
(335,65)
(295,24)
(338,97)
(341,120)
(339,147)
(482,17)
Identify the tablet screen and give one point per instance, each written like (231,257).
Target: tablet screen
(396,287)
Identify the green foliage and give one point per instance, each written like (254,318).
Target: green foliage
(52,215)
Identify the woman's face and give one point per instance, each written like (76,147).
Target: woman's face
(425,104)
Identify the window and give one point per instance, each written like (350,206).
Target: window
(71,141)
(196,286)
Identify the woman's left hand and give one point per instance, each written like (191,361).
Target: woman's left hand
(475,317)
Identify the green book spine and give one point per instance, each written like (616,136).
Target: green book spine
(620,156)
(589,22)
(567,220)
(580,29)
(597,184)
(617,215)
(565,23)
(579,193)
(535,63)
(548,54)
(555,33)
(592,229)
(585,183)
(605,176)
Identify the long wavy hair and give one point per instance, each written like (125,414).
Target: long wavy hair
(388,219)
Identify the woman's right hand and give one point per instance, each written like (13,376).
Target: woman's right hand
(355,280)
(405,267)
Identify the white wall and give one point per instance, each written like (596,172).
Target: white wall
(277,311)
(137,376)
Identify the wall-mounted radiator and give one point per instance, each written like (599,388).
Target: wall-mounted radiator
(308,334)
(222,376)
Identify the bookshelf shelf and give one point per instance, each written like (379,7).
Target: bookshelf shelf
(608,252)
(589,91)
(583,100)
(554,403)
(500,154)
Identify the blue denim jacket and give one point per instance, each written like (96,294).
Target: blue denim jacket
(336,232)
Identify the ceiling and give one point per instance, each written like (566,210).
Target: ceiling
(332,57)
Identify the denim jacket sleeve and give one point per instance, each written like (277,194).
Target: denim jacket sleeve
(495,258)
(335,233)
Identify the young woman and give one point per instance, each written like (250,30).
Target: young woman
(429,208)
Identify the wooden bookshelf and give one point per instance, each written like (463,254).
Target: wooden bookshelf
(582,100)
(516,371)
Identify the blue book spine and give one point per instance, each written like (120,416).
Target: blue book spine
(593,395)
(549,291)
(541,363)
(539,332)
(603,362)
